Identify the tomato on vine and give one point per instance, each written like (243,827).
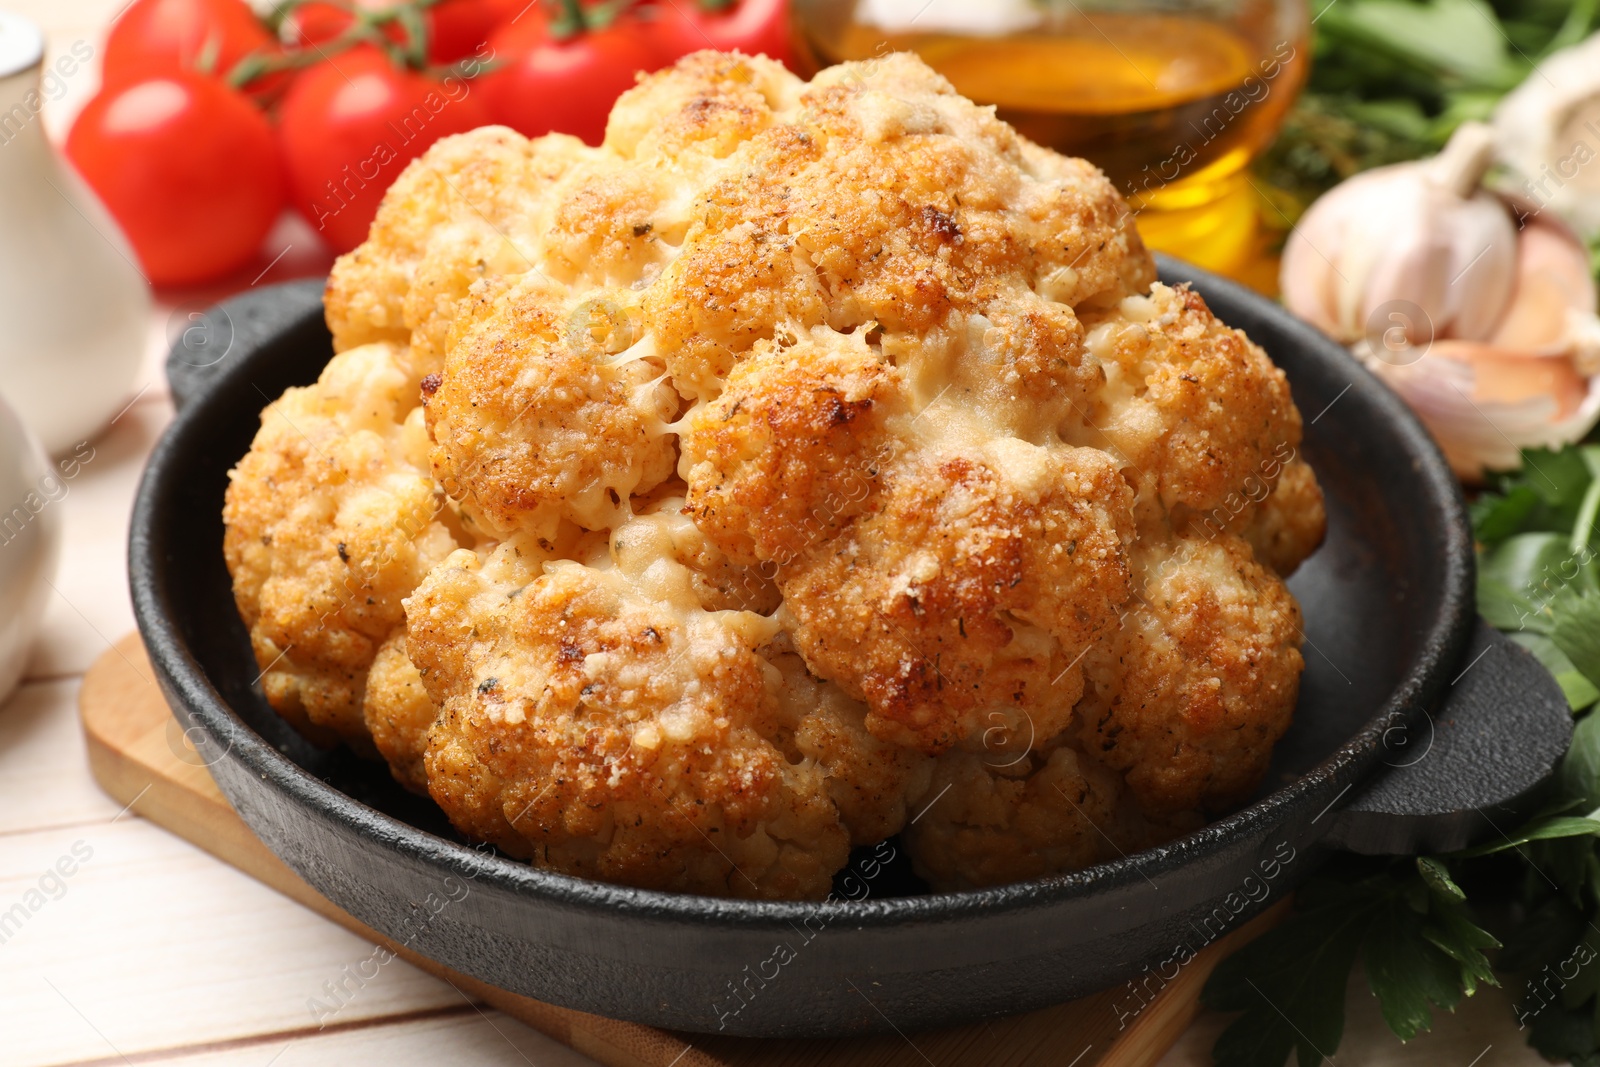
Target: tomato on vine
(349,126)
(158,37)
(562,75)
(189,169)
(453,29)
(754,27)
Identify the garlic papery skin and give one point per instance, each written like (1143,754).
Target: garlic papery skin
(1548,135)
(1421,234)
(1485,403)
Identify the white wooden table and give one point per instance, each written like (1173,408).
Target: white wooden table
(153,951)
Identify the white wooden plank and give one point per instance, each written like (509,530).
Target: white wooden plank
(44,770)
(90,606)
(122,934)
(486,1039)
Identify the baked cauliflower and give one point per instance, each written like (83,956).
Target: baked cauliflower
(332,519)
(808,463)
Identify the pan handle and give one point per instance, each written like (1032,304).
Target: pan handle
(199,354)
(1497,736)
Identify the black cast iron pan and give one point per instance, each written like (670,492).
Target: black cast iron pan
(1418,728)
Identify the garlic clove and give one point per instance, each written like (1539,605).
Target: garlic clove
(1552,279)
(1510,376)
(1421,233)
(1308,279)
(1483,407)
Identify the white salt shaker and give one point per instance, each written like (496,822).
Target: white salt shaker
(73,305)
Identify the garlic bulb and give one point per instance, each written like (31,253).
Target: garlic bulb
(1548,131)
(1488,331)
(1422,232)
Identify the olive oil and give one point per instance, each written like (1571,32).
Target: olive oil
(1171,104)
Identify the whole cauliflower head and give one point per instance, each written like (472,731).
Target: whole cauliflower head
(823,462)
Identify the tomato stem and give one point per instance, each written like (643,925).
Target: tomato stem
(569,20)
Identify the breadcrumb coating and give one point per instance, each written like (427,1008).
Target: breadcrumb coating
(331,521)
(820,457)
(630,735)
(398,712)
(993,818)
(1197,411)
(530,429)
(1200,681)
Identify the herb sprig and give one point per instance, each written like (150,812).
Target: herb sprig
(1392,79)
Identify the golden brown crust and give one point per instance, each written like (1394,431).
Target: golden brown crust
(629,734)
(533,425)
(1200,681)
(330,523)
(398,712)
(971,593)
(1291,522)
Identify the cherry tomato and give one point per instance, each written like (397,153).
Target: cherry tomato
(455,28)
(349,126)
(189,169)
(315,23)
(568,85)
(754,27)
(156,37)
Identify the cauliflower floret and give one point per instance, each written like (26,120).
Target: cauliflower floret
(536,421)
(792,449)
(1289,524)
(457,213)
(969,592)
(398,712)
(331,520)
(869,780)
(1199,683)
(1197,412)
(991,818)
(962,578)
(624,732)
(885,198)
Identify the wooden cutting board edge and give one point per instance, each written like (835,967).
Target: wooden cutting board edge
(134,747)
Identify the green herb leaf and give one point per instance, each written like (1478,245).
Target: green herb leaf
(1496,517)
(1452,929)
(1540,830)
(1451,38)
(1580,767)
(1579,691)
(1408,974)
(1290,983)
(1520,581)
(1437,877)
(1576,632)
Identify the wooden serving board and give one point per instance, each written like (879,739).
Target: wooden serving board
(131,732)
